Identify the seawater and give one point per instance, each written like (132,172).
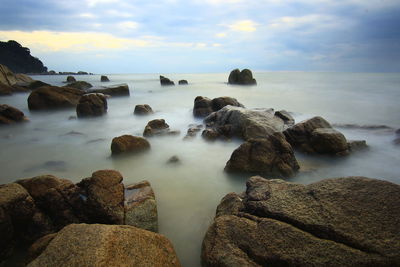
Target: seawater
(188,193)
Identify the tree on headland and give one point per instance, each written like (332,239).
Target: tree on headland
(19,59)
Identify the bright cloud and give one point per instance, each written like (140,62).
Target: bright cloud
(221,35)
(244,26)
(128,25)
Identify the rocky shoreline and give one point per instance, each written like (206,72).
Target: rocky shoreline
(345,221)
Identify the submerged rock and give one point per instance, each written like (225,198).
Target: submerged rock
(317,136)
(336,222)
(192,131)
(158,127)
(104,78)
(143,110)
(173,160)
(165,81)
(53,97)
(141,206)
(204,106)
(357,145)
(81,85)
(272,157)
(129,144)
(183,82)
(244,77)
(115,90)
(71,79)
(105,245)
(91,105)
(11,115)
(246,123)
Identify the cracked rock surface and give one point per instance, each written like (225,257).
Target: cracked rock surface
(351,221)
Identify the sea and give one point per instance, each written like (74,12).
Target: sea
(363,106)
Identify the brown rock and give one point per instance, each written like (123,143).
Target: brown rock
(91,105)
(5,89)
(156,127)
(52,97)
(210,134)
(37,84)
(129,143)
(104,197)
(143,110)
(204,106)
(10,115)
(141,206)
(336,222)
(107,245)
(7,77)
(81,85)
(116,90)
(272,157)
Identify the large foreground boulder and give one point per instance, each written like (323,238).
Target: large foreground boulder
(91,105)
(129,144)
(272,157)
(105,245)
(7,77)
(316,135)
(10,115)
(350,221)
(141,206)
(246,123)
(244,77)
(203,106)
(115,90)
(53,97)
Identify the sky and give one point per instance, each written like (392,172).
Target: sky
(190,36)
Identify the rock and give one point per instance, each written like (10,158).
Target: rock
(357,145)
(37,84)
(156,127)
(91,105)
(104,197)
(285,116)
(271,156)
(81,85)
(58,198)
(165,81)
(246,123)
(204,106)
(317,136)
(20,88)
(5,89)
(141,206)
(192,131)
(244,77)
(52,97)
(129,143)
(335,222)
(7,77)
(71,79)
(210,134)
(39,246)
(10,115)
(104,78)
(116,90)
(173,160)
(107,245)
(183,82)
(143,110)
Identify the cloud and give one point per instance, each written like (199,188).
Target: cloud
(221,35)
(243,26)
(92,3)
(128,25)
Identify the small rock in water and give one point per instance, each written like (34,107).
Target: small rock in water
(73,133)
(183,82)
(95,140)
(104,78)
(158,127)
(129,144)
(72,118)
(356,145)
(165,81)
(51,165)
(143,110)
(173,160)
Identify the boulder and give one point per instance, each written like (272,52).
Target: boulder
(210,134)
(53,97)
(81,85)
(244,77)
(272,157)
(165,81)
(143,110)
(157,127)
(10,115)
(7,77)
(104,197)
(71,79)
(129,143)
(115,90)
(5,89)
(335,222)
(192,131)
(141,206)
(246,123)
(104,78)
(183,82)
(204,106)
(316,135)
(285,116)
(357,145)
(91,105)
(36,84)
(106,245)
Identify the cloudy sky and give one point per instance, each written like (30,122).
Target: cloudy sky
(166,36)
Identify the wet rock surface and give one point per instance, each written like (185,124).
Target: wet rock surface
(91,105)
(143,110)
(11,115)
(272,157)
(129,144)
(53,97)
(335,222)
(105,245)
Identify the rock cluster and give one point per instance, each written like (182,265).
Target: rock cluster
(129,144)
(165,81)
(91,105)
(244,77)
(10,115)
(336,222)
(203,106)
(143,110)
